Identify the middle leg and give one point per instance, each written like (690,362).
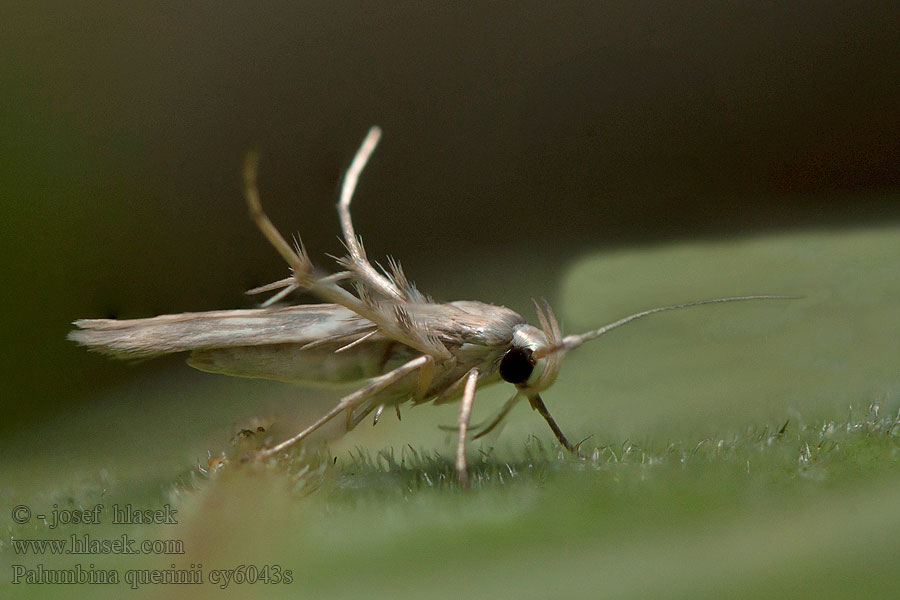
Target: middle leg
(465,414)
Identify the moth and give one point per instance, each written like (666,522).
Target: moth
(373,326)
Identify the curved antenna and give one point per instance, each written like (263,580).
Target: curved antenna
(573,341)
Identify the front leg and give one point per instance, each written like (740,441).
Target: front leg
(538,404)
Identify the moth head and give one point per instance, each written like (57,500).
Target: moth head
(533,358)
(530,362)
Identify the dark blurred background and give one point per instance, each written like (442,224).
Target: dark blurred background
(514,134)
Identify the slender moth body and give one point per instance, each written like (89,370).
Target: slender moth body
(403,345)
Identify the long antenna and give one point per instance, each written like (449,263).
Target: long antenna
(573,341)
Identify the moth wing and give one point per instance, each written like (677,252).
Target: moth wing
(138,338)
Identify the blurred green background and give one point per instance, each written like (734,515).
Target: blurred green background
(607,157)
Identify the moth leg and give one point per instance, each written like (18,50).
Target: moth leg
(391,320)
(375,385)
(357,261)
(498,418)
(377,416)
(450,392)
(297,259)
(538,405)
(426,376)
(359,412)
(465,414)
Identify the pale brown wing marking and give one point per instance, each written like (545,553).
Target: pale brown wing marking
(216,329)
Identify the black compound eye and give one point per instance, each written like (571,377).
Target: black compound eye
(517,365)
